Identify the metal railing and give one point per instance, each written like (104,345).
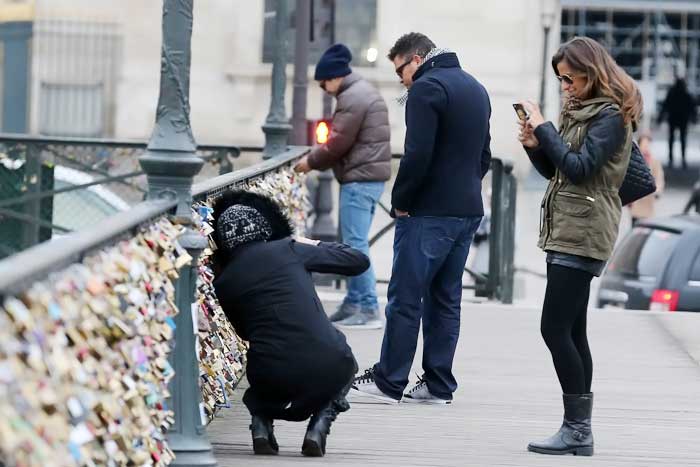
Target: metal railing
(25,267)
(21,271)
(52,186)
(497,283)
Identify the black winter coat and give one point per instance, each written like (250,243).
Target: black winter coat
(447,149)
(297,360)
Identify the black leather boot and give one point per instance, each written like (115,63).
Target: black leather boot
(575,435)
(264,441)
(319,428)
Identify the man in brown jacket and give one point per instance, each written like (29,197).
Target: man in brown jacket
(359,153)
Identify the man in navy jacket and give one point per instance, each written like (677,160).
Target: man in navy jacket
(437,203)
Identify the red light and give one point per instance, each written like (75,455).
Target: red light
(323,131)
(664,300)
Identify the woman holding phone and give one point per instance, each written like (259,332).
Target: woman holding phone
(585,161)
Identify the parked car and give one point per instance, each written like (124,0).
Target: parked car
(78,209)
(655,267)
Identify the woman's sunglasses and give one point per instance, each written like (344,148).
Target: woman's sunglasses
(564,78)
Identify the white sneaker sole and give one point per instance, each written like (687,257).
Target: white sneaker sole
(409,400)
(372,325)
(376,397)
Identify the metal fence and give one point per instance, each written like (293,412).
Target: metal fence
(27,278)
(497,282)
(52,186)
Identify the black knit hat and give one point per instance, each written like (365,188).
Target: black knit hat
(241,217)
(334,63)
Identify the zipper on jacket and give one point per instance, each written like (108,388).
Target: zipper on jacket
(576,195)
(546,205)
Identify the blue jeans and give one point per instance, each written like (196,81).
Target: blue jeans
(426,283)
(358,201)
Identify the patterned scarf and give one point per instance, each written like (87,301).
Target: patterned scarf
(430,55)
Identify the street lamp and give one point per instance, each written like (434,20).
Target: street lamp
(277,127)
(170,163)
(548,15)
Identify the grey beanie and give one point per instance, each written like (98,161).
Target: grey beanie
(240,224)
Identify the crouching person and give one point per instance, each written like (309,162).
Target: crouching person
(299,365)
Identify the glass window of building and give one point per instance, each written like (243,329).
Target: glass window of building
(355,26)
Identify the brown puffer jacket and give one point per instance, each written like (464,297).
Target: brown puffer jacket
(358,148)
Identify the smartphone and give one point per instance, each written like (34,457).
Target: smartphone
(520,110)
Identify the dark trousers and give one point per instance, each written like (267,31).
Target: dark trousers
(300,390)
(563,327)
(426,283)
(683,130)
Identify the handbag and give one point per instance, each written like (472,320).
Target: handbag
(639,181)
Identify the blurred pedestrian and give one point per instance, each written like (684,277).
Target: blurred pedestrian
(679,110)
(694,200)
(359,152)
(438,207)
(585,160)
(299,365)
(644,208)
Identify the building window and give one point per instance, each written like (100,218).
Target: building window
(355,26)
(76,65)
(71,110)
(653,45)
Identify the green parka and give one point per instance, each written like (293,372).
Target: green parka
(585,161)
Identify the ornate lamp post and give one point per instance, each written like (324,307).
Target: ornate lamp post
(277,125)
(171,164)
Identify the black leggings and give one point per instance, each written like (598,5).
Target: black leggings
(563,327)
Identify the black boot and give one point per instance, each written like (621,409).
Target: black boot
(574,436)
(319,428)
(264,441)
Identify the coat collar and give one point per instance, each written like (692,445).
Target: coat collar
(590,108)
(444,60)
(348,81)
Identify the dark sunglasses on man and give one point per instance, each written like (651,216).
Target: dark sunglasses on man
(399,70)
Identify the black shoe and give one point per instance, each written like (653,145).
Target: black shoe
(319,428)
(264,442)
(575,435)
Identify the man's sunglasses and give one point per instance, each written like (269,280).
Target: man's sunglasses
(564,78)
(399,70)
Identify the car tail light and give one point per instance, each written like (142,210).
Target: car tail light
(664,300)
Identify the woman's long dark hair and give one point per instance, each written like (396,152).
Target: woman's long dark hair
(605,77)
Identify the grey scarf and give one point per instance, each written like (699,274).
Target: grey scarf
(432,54)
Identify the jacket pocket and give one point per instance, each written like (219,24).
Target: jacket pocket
(571,217)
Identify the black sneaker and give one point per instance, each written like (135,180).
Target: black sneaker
(364,385)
